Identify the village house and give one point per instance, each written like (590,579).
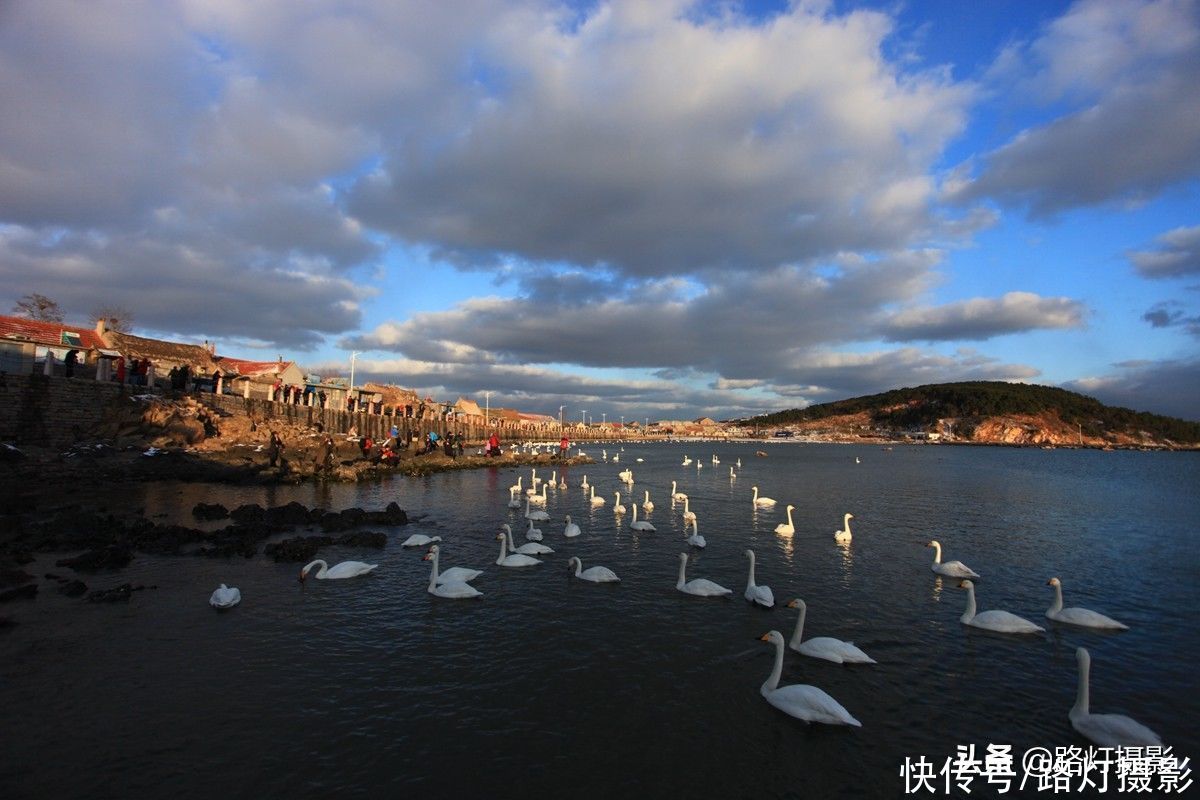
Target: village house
(258,379)
(28,346)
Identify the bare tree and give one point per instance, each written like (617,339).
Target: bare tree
(38,307)
(115,317)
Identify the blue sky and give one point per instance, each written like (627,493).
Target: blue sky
(642,209)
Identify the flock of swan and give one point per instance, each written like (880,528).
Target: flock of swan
(802,701)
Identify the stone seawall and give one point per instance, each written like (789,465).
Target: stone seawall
(55,411)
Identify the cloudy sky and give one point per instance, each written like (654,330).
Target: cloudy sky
(648,208)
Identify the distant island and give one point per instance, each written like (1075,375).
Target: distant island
(983,412)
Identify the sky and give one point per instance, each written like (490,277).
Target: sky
(629,210)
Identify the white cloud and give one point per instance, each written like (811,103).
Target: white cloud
(1178,255)
(983,318)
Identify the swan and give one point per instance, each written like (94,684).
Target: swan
(539,499)
(951,569)
(585,484)
(760,595)
(627,477)
(686,461)
(596,501)
(534,480)
(699,465)
(593,574)
(507,559)
(553,479)
(533,534)
(562,482)
(618,508)
(647,506)
(513,501)
(225,597)
(420,540)
(732,476)
(604,454)
(695,540)
(642,525)
(799,699)
(688,514)
(715,460)
(1079,616)
(540,516)
(516,487)
(443,586)
(786,528)
(1106,730)
(857,460)
(825,647)
(527,549)
(639,460)
(739,463)
(616,458)
(571,530)
(999,621)
(346,569)
(701,587)
(677,495)
(844,535)
(452,575)
(765,502)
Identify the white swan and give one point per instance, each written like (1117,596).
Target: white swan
(533,534)
(596,501)
(585,484)
(618,508)
(677,495)
(507,559)
(732,476)
(454,574)
(786,528)
(616,458)
(562,482)
(739,463)
(647,506)
(527,549)
(1083,617)
(553,479)
(626,476)
(419,540)
(639,525)
(844,535)
(539,499)
(1106,730)
(695,540)
(516,487)
(760,595)
(346,569)
(686,461)
(225,597)
(604,454)
(593,574)
(688,514)
(999,621)
(701,587)
(765,502)
(715,460)
(540,516)
(513,499)
(443,586)
(799,699)
(534,480)
(825,647)
(571,530)
(951,569)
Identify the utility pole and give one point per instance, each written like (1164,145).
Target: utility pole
(487,407)
(560,417)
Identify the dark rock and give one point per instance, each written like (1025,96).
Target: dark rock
(210,511)
(111,557)
(392,515)
(343,521)
(14,577)
(251,512)
(26,592)
(363,539)
(118,594)
(288,515)
(298,548)
(73,588)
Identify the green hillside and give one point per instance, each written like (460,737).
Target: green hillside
(922,406)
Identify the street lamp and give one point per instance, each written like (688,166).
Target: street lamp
(353,355)
(603,419)
(583,417)
(560,417)
(487,407)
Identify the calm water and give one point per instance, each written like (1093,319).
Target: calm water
(371,687)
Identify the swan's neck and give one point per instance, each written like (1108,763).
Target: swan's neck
(695,527)
(789,512)
(682,573)
(772,681)
(798,634)
(1081,693)
(509,536)
(686,507)
(845,521)
(647,495)
(937,554)
(750,580)
(433,571)
(1056,606)
(578,566)
(503,548)
(969,614)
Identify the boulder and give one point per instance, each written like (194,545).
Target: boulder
(111,557)
(210,511)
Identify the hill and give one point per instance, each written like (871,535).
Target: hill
(991,412)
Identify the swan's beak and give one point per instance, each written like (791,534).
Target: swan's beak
(301,578)
(766,637)
(962,584)
(793,604)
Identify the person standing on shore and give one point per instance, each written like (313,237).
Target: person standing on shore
(323,462)
(493,445)
(563,446)
(275,450)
